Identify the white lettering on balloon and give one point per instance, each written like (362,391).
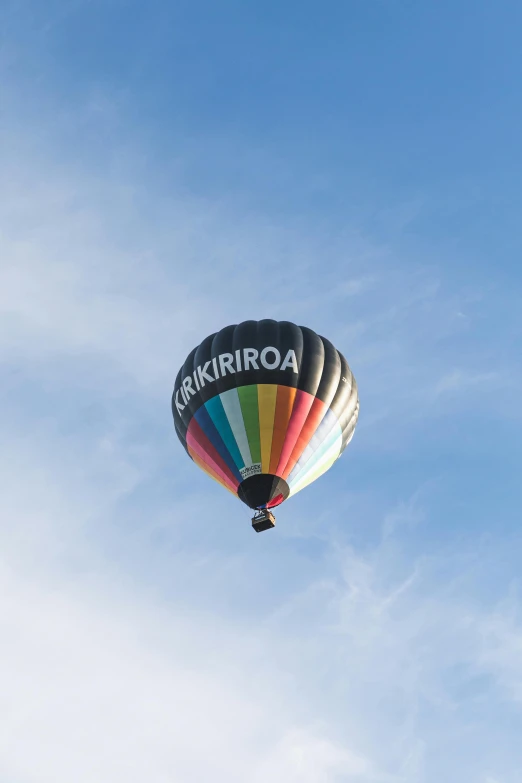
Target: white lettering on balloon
(223,365)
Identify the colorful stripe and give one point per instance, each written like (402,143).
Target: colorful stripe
(267,396)
(217,413)
(312,450)
(198,442)
(211,472)
(302,404)
(318,468)
(277,429)
(208,427)
(329,449)
(313,420)
(283,412)
(249,408)
(234,414)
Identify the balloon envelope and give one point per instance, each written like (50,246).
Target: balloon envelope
(265,408)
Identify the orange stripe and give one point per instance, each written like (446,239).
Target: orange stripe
(302,404)
(313,420)
(283,412)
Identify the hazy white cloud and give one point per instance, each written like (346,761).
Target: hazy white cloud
(100,688)
(460,380)
(134,646)
(105,681)
(350,679)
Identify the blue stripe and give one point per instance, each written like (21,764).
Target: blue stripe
(217,413)
(207,425)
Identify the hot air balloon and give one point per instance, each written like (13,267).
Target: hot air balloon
(265,408)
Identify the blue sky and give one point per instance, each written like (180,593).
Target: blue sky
(167,169)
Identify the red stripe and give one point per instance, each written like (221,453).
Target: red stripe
(197,440)
(315,417)
(211,471)
(302,404)
(275,501)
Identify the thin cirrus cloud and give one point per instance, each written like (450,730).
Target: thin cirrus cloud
(139,640)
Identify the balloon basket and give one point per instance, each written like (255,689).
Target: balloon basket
(263,520)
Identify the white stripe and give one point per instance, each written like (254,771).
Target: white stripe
(232,407)
(318,468)
(328,430)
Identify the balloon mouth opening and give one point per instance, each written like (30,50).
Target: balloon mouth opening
(263,491)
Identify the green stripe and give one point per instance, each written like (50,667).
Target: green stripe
(250,411)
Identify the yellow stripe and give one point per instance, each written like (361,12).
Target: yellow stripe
(267,396)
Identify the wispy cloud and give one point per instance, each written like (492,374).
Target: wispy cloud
(140,639)
(368,668)
(460,380)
